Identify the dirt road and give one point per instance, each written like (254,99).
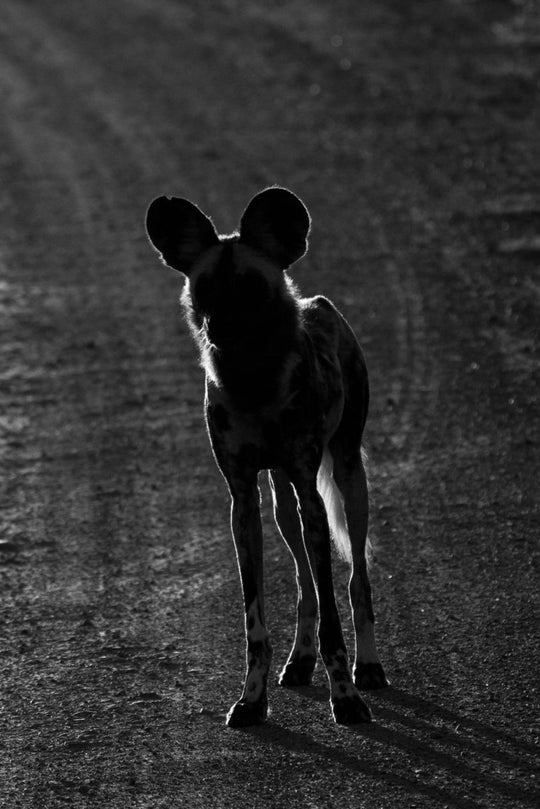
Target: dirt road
(411,132)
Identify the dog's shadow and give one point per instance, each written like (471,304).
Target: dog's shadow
(437,737)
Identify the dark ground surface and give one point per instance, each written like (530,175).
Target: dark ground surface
(410,129)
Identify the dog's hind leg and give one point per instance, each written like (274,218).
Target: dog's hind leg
(252,707)
(348,707)
(350,476)
(301,663)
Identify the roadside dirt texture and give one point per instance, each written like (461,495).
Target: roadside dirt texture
(410,129)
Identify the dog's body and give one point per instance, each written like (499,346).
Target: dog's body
(286,391)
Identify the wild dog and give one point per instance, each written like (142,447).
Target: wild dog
(286,391)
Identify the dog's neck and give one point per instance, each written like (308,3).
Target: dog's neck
(250,358)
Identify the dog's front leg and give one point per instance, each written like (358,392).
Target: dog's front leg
(252,707)
(303,657)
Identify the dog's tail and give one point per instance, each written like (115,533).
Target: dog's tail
(334,506)
(335,509)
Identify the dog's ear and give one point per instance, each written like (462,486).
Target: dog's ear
(179,231)
(277,223)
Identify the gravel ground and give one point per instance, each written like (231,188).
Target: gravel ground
(411,132)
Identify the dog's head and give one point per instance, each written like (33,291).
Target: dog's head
(237,275)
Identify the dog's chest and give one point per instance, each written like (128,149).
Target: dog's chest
(265,438)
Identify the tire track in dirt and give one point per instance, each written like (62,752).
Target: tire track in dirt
(48,156)
(84,571)
(112,136)
(102,495)
(77,167)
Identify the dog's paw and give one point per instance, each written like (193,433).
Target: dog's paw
(243,713)
(350,710)
(297,672)
(370,676)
